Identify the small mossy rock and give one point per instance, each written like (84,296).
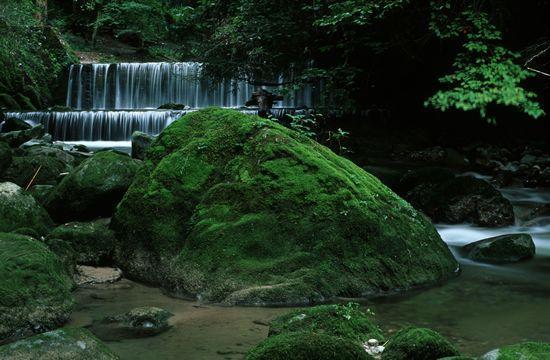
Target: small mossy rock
(418,344)
(240,210)
(93,189)
(40,192)
(35,289)
(62,344)
(18,138)
(522,351)
(5,157)
(136,323)
(20,210)
(502,249)
(7,102)
(45,164)
(140,143)
(345,321)
(462,199)
(93,242)
(307,346)
(14,124)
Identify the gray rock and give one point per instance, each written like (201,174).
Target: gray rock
(502,249)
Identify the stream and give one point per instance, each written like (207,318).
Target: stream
(487,306)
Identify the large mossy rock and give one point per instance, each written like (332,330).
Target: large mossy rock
(418,344)
(19,137)
(5,157)
(460,199)
(240,210)
(20,210)
(35,289)
(307,346)
(93,189)
(62,344)
(345,321)
(93,242)
(523,351)
(502,249)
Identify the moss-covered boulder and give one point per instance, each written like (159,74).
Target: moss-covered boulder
(137,323)
(5,157)
(40,192)
(62,344)
(20,210)
(35,289)
(418,344)
(240,210)
(44,164)
(345,321)
(462,199)
(19,137)
(93,189)
(307,346)
(523,351)
(502,249)
(93,242)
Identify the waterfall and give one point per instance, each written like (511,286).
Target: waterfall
(150,85)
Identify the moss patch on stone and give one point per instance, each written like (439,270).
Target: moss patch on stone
(307,346)
(523,351)
(241,210)
(346,321)
(35,289)
(418,344)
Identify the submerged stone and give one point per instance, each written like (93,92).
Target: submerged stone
(418,344)
(92,242)
(35,289)
(93,189)
(238,209)
(20,210)
(502,249)
(62,344)
(136,323)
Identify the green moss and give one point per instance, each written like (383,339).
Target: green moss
(34,287)
(418,344)
(46,168)
(62,344)
(93,241)
(306,346)
(9,103)
(93,189)
(20,210)
(345,321)
(5,157)
(241,210)
(524,351)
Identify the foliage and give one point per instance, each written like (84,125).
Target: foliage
(485,73)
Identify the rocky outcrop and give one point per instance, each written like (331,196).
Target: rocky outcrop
(240,210)
(62,344)
(93,189)
(20,210)
(502,249)
(35,289)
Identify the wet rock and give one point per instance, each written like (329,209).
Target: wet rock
(19,209)
(139,322)
(526,350)
(502,249)
(462,199)
(140,143)
(418,344)
(14,124)
(93,242)
(93,189)
(198,219)
(539,211)
(62,344)
(17,138)
(89,275)
(35,289)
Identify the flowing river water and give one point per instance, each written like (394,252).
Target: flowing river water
(485,307)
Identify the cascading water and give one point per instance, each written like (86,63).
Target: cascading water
(111,101)
(150,85)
